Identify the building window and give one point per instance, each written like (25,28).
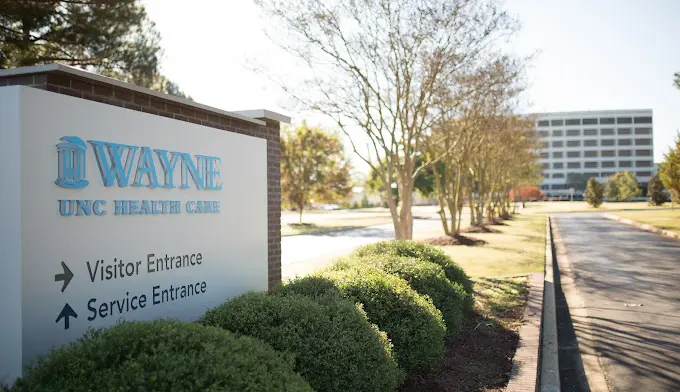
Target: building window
(643,131)
(624,131)
(573,143)
(545,187)
(643,120)
(573,154)
(556,123)
(546,166)
(546,175)
(643,142)
(590,132)
(558,154)
(608,153)
(643,153)
(590,165)
(625,153)
(590,143)
(608,164)
(607,174)
(558,144)
(543,134)
(589,121)
(573,165)
(625,164)
(557,133)
(643,164)
(558,175)
(625,142)
(573,132)
(607,131)
(543,145)
(590,154)
(573,121)
(544,155)
(644,174)
(607,120)
(543,123)
(624,120)
(607,142)
(558,165)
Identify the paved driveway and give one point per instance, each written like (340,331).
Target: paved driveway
(629,284)
(301,254)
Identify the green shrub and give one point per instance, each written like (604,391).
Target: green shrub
(426,278)
(163,355)
(412,322)
(421,251)
(335,346)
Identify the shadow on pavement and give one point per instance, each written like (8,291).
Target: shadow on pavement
(572,375)
(629,281)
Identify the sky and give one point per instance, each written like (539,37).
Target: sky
(591,55)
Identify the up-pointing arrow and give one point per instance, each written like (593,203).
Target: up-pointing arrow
(65,313)
(66,276)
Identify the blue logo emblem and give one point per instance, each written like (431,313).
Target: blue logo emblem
(71,158)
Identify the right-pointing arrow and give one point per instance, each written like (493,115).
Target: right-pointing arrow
(66,276)
(65,313)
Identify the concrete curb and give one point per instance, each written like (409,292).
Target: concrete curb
(642,226)
(549,363)
(535,366)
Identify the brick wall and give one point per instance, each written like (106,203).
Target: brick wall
(95,90)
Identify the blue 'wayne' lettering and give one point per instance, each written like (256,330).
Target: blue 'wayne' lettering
(121,163)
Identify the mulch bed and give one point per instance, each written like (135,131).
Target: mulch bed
(478,360)
(454,240)
(484,229)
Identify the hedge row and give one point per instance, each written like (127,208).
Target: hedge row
(426,278)
(410,320)
(361,325)
(163,355)
(335,347)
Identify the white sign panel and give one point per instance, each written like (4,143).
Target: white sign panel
(108,214)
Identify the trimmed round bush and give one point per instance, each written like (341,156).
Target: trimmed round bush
(420,251)
(336,348)
(426,278)
(163,355)
(413,324)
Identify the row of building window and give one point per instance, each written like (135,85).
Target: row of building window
(594,132)
(595,164)
(595,143)
(595,154)
(594,174)
(595,121)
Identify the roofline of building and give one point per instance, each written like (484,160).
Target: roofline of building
(592,113)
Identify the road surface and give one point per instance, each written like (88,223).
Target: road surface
(628,281)
(301,254)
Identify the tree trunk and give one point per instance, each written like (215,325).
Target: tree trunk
(300,207)
(440,198)
(405,214)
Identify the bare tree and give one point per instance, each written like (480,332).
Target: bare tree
(383,67)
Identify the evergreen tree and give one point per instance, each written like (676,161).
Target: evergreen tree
(669,171)
(112,38)
(655,194)
(594,193)
(622,186)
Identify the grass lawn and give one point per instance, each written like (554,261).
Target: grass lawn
(480,358)
(664,219)
(543,207)
(519,248)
